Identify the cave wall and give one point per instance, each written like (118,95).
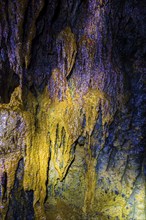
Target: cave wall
(72,109)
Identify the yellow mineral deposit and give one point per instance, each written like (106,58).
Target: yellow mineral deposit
(51,131)
(52,127)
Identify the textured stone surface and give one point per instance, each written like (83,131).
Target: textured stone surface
(72,94)
(12,129)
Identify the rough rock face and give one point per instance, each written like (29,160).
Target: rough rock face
(72,109)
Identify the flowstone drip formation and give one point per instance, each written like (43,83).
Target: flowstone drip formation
(72,110)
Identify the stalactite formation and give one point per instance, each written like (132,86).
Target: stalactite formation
(72,110)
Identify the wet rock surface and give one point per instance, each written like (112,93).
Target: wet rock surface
(72,109)
(21,202)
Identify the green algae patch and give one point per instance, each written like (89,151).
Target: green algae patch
(110,205)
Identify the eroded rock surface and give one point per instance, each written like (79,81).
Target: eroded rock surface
(72,112)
